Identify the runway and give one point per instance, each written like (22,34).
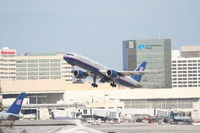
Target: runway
(72,126)
(45,126)
(41,122)
(145,128)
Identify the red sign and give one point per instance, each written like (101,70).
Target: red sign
(7,52)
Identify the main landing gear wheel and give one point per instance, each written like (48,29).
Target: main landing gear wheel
(94,82)
(94,85)
(113,84)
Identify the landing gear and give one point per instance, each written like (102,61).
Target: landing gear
(94,82)
(94,85)
(113,84)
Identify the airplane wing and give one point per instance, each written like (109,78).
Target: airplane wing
(127,73)
(131,73)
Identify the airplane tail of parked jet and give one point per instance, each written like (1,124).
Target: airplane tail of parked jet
(140,68)
(17,104)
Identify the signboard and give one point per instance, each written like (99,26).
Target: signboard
(140,46)
(7,52)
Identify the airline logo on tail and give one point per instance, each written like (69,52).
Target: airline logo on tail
(141,68)
(19,102)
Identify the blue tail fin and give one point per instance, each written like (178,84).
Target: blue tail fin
(17,104)
(141,67)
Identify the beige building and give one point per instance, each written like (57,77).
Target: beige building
(190,51)
(7,63)
(34,66)
(59,92)
(43,66)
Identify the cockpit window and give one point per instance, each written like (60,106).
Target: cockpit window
(70,54)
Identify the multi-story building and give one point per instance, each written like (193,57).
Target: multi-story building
(186,67)
(190,51)
(157,53)
(34,66)
(42,66)
(7,63)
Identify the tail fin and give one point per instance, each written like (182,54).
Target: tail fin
(141,67)
(17,104)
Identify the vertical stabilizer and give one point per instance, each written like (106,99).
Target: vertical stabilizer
(17,104)
(141,67)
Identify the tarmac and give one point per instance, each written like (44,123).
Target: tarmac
(45,126)
(145,128)
(75,126)
(41,122)
(50,129)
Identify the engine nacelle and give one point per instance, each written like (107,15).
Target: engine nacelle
(79,74)
(112,73)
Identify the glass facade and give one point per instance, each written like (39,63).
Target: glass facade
(190,54)
(157,54)
(190,51)
(181,103)
(39,98)
(42,68)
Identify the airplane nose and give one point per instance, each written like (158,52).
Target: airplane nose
(67,59)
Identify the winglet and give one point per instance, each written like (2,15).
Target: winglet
(141,67)
(17,104)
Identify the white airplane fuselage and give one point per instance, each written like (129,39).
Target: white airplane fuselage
(96,69)
(9,116)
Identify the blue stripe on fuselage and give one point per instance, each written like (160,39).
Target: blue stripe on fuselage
(125,83)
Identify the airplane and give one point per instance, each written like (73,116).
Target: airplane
(14,110)
(126,78)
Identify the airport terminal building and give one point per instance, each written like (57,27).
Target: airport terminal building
(57,94)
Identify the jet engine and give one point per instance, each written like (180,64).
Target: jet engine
(112,73)
(80,74)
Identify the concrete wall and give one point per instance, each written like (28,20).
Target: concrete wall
(46,85)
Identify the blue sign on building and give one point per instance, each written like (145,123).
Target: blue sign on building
(140,46)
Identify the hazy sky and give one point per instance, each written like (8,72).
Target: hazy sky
(96,28)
